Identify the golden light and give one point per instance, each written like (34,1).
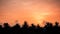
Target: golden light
(35,11)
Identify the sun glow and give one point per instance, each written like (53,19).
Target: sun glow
(35,11)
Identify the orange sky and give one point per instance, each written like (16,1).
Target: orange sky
(32,11)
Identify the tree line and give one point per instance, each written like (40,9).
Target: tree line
(48,28)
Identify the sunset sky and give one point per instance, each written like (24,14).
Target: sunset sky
(32,11)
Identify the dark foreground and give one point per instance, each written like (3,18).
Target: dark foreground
(30,30)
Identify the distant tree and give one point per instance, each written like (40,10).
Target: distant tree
(6,28)
(25,25)
(16,28)
(32,25)
(56,27)
(38,26)
(48,27)
(24,28)
(0,25)
(39,29)
(6,25)
(56,23)
(48,24)
(17,24)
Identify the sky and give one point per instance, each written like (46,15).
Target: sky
(32,11)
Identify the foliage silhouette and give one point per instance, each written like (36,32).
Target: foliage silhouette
(48,28)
